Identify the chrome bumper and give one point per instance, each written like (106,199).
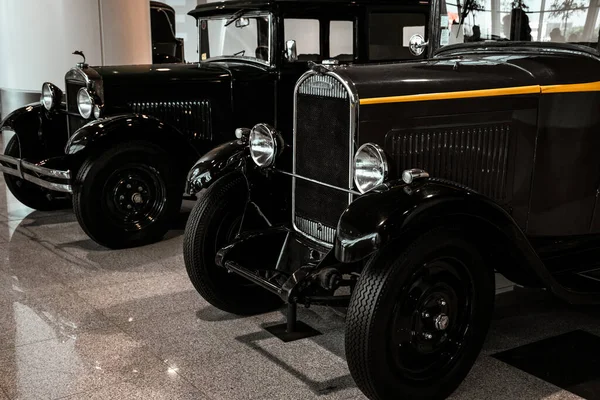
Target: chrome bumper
(52,179)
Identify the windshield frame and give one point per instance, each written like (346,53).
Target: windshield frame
(224,17)
(435,47)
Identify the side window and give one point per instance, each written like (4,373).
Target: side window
(389,34)
(306,33)
(341,40)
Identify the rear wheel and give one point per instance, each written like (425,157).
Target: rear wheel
(417,321)
(127,196)
(31,195)
(213,224)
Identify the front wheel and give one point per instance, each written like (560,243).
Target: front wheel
(213,224)
(418,320)
(31,195)
(127,196)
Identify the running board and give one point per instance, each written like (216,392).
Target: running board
(586,281)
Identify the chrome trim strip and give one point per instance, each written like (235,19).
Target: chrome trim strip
(353,138)
(318,182)
(53,173)
(59,187)
(24,170)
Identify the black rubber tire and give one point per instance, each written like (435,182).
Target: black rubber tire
(373,302)
(31,195)
(90,185)
(212,222)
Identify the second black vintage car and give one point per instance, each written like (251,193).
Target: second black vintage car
(166,46)
(411,184)
(122,139)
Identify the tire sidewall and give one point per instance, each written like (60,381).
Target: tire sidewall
(224,201)
(394,271)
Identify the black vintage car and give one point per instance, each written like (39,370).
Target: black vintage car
(411,184)
(166,46)
(122,139)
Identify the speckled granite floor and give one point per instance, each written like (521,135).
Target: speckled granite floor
(80,322)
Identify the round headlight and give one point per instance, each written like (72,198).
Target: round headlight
(263,145)
(370,167)
(85,103)
(50,96)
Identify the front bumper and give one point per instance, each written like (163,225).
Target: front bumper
(53,179)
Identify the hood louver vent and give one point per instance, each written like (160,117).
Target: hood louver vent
(193,118)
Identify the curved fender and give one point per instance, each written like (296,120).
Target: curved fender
(219,161)
(39,132)
(379,217)
(122,127)
(29,114)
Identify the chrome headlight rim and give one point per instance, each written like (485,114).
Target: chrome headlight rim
(264,145)
(88,107)
(378,152)
(51,96)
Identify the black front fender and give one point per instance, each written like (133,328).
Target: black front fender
(41,134)
(107,132)
(26,115)
(397,211)
(117,128)
(216,163)
(375,219)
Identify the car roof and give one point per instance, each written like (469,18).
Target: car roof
(223,7)
(158,4)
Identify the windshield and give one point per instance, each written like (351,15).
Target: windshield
(241,35)
(561,21)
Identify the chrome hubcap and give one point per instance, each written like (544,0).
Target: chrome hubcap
(137,198)
(441,322)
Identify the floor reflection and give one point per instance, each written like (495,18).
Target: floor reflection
(82,322)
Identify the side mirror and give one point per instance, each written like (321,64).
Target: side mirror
(417,45)
(242,23)
(291,53)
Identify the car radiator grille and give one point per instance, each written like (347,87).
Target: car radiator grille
(74,119)
(192,118)
(476,156)
(322,153)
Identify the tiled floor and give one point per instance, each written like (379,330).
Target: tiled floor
(80,322)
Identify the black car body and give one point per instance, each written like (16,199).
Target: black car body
(411,184)
(166,46)
(122,138)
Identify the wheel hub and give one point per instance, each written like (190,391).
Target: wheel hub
(137,198)
(431,319)
(135,195)
(441,322)
(131,194)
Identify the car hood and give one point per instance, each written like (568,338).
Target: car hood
(161,73)
(466,72)
(120,86)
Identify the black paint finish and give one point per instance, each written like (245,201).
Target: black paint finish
(233,92)
(570,361)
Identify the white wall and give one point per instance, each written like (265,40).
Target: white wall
(126,33)
(37,38)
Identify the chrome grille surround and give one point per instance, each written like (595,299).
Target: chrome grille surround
(329,85)
(75,79)
(323,86)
